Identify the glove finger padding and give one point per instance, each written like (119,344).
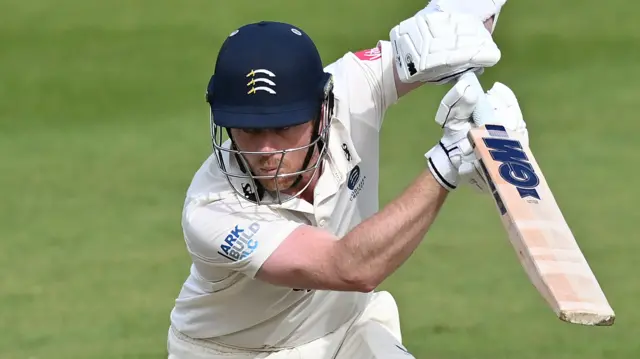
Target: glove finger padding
(457,106)
(454,149)
(507,110)
(482,9)
(436,46)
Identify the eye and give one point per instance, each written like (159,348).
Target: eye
(251,131)
(281,130)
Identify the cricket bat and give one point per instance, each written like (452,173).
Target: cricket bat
(540,235)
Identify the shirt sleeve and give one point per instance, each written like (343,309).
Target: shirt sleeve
(371,82)
(234,238)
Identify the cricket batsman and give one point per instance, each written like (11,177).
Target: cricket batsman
(282,221)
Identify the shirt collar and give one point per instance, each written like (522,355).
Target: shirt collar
(340,159)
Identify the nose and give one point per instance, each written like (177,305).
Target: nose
(266,143)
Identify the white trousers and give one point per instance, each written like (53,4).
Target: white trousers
(375,335)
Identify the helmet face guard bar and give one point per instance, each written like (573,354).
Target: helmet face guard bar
(249,186)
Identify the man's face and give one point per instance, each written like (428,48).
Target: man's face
(269,140)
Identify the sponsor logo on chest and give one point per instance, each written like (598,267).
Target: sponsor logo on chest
(355,182)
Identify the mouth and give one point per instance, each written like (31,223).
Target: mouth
(269,171)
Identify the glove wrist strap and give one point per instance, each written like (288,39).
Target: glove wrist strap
(441,167)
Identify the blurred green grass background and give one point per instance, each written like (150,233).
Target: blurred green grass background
(103,123)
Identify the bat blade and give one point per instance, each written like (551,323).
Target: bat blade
(536,228)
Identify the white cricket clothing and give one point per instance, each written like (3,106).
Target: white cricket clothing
(229,238)
(374,335)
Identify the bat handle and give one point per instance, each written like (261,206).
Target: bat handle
(483,113)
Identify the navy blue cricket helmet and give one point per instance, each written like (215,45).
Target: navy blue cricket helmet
(269,75)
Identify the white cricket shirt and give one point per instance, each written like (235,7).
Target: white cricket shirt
(229,238)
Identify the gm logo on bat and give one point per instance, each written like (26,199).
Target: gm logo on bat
(515,167)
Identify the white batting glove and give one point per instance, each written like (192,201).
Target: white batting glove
(454,150)
(482,9)
(453,161)
(507,113)
(436,47)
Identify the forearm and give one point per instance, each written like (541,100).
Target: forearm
(374,249)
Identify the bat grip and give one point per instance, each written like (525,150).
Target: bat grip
(483,112)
